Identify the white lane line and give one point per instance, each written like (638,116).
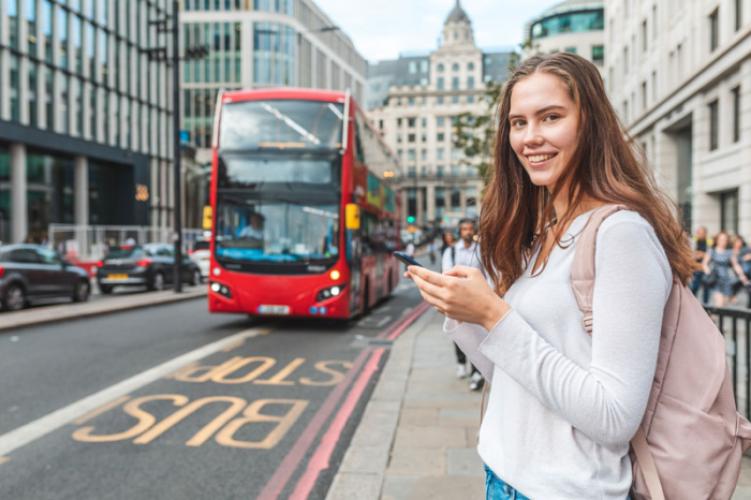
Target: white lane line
(34,430)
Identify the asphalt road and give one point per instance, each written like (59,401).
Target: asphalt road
(246,420)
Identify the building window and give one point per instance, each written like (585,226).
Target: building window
(423,122)
(644,95)
(654,86)
(411,154)
(411,138)
(440,154)
(439,99)
(455,67)
(15,88)
(455,83)
(625,61)
(439,83)
(714,31)
(455,99)
(470,66)
(738,14)
(410,101)
(32,95)
(644,35)
(440,121)
(714,119)
(570,50)
(598,54)
(411,122)
(440,137)
(398,122)
(736,113)
(654,22)
(439,68)
(471,82)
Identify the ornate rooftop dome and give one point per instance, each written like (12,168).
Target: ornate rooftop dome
(457,15)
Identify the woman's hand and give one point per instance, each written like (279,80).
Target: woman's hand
(461,294)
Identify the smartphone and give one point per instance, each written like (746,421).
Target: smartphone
(408,261)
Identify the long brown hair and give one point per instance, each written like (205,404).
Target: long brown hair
(604,168)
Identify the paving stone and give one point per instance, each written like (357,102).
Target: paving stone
(419,416)
(366,459)
(464,462)
(433,488)
(416,462)
(352,486)
(429,436)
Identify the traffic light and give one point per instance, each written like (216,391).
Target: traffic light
(410,219)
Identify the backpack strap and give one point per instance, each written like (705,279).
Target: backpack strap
(582,283)
(647,465)
(583,267)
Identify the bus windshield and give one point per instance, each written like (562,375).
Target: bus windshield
(243,170)
(281,124)
(276,229)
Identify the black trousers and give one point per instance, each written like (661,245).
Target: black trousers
(461,358)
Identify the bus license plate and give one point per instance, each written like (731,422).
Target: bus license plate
(271,309)
(117,277)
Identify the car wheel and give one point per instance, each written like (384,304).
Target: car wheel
(157,282)
(81,292)
(105,289)
(15,298)
(195,279)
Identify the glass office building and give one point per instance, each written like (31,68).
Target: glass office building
(256,44)
(85,117)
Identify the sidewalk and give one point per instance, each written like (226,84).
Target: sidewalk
(114,303)
(416,440)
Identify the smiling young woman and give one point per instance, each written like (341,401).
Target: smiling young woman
(563,405)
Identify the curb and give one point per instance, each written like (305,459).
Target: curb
(361,473)
(68,312)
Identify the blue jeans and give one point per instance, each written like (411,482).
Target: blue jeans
(497,489)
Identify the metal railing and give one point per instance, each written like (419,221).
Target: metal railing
(84,243)
(735,325)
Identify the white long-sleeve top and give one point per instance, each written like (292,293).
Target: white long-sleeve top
(563,406)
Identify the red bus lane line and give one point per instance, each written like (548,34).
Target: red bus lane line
(399,329)
(285,469)
(320,459)
(289,464)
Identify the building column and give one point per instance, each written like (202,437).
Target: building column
(81,198)
(419,215)
(431,202)
(19,222)
(81,204)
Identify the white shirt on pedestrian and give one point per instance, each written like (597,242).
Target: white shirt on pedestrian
(563,406)
(463,256)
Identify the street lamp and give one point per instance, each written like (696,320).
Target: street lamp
(160,54)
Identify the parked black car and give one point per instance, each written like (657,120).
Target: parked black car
(150,265)
(31,272)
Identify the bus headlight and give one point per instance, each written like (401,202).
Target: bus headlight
(329,292)
(335,275)
(220,289)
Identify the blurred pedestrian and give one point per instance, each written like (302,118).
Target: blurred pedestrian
(464,253)
(447,240)
(742,264)
(563,405)
(431,251)
(700,250)
(721,272)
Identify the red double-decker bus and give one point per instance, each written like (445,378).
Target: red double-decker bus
(303,222)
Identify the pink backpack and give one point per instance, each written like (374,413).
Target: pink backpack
(691,440)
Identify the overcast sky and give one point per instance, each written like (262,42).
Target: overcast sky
(382,29)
